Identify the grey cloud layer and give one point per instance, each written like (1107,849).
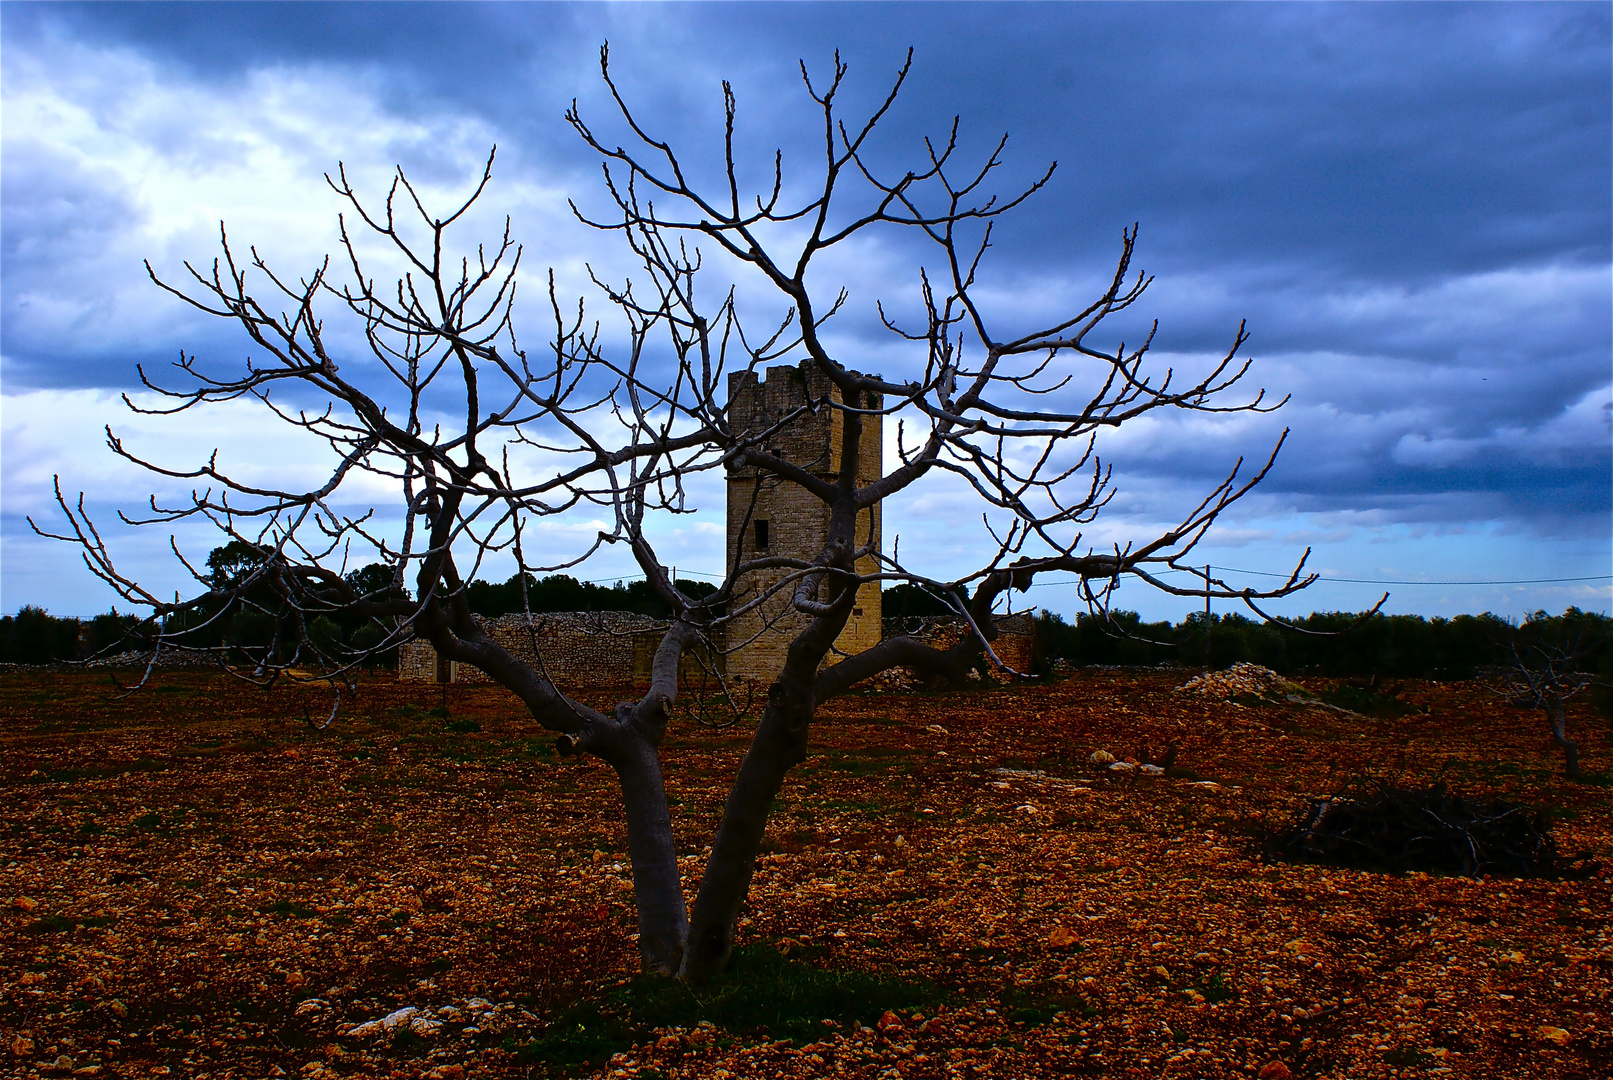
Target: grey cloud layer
(1410,203)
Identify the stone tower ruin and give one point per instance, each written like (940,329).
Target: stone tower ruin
(784,520)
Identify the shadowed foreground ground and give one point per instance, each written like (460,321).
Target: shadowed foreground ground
(196,884)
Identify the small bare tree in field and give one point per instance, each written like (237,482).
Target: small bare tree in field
(486,444)
(1547,665)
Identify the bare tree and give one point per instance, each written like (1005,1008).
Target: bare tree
(1547,667)
(485,441)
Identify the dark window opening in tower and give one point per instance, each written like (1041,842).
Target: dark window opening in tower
(761,536)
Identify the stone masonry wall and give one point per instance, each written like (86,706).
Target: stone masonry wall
(1013,644)
(578,649)
(585,650)
(417,662)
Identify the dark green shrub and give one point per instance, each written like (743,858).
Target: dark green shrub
(32,636)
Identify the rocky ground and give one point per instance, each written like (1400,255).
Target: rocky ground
(198,884)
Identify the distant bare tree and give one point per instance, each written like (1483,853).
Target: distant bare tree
(1547,661)
(484,442)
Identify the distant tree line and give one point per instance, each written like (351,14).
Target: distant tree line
(33,636)
(562,592)
(1341,644)
(905,602)
(243,626)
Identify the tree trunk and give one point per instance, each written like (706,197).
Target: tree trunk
(663,922)
(632,747)
(779,745)
(1559,735)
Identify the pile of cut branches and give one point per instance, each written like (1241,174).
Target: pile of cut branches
(1388,828)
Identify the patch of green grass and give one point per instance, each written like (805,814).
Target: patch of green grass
(1038,1003)
(793,840)
(408,1044)
(855,806)
(50,924)
(1406,1056)
(287,907)
(581,1035)
(1214,988)
(62,924)
(1367,702)
(464,726)
(68,776)
(787,997)
(874,759)
(762,991)
(147,821)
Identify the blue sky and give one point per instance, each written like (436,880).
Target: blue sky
(1412,206)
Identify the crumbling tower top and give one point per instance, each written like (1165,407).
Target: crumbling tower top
(771,516)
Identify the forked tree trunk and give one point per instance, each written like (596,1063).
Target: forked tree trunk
(629,743)
(632,747)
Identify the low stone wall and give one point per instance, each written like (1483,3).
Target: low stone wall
(1013,644)
(575,649)
(417,662)
(585,649)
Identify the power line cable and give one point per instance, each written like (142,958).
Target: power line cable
(1366,581)
(1387,581)
(1237,570)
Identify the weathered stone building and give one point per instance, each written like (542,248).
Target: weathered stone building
(766,516)
(769,516)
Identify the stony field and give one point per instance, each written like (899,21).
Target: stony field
(196,883)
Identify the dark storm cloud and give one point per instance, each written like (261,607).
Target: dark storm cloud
(1410,203)
(1365,141)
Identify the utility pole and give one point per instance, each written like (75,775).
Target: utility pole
(1206,616)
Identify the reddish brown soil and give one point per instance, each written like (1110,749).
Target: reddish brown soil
(183,870)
